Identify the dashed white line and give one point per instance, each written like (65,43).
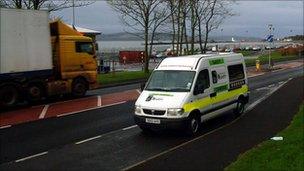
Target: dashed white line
(89,139)
(30,157)
(42,114)
(85,110)
(98,101)
(262,88)
(130,127)
(6,126)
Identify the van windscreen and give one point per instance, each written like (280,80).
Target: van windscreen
(171,81)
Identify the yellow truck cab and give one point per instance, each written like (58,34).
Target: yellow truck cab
(73,58)
(184,91)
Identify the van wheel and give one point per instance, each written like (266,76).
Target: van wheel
(193,125)
(79,88)
(240,108)
(35,93)
(8,96)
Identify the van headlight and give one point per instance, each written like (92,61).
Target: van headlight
(137,110)
(175,111)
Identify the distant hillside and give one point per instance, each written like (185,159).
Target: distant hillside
(167,37)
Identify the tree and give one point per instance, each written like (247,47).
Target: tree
(145,16)
(210,14)
(50,5)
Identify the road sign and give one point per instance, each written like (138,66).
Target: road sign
(269,38)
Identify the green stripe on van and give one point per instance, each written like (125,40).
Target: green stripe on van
(216,61)
(221,88)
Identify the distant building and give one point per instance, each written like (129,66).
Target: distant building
(88,32)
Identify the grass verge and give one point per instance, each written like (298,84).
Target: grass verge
(119,77)
(275,56)
(276,155)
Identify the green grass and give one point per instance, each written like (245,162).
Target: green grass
(119,77)
(287,154)
(276,57)
(246,52)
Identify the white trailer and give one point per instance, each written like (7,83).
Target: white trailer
(25,46)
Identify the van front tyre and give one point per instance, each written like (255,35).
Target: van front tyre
(193,125)
(8,96)
(240,108)
(79,88)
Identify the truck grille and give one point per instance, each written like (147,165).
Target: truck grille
(154,112)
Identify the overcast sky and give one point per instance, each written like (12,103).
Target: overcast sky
(251,20)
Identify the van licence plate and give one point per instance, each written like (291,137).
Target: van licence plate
(154,121)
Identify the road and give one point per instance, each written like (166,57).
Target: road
(105,138)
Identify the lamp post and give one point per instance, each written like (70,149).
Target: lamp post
(270,40)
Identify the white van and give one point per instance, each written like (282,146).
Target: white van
(184,91)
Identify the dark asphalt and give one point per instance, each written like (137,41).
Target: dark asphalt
(114,151)
(219,149)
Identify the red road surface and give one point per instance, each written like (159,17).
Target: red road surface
(64,108)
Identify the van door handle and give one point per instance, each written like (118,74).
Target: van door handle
(213,94)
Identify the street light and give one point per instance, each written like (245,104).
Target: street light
(270,40)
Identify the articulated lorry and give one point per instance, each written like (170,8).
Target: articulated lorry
(41,59)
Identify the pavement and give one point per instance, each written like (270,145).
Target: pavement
(217,150)
(106,138)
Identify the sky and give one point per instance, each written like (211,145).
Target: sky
(251,19)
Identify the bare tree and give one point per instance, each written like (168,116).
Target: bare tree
(210,14)
(51,5)
(143,16)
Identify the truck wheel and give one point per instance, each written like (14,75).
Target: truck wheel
(240,108)
(79,88)
(8,96)
(193,125)
(35,92)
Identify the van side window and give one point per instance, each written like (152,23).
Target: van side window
(203,80)
(236,72)
(86,47)
(214,77)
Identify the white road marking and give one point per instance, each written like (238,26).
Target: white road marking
(278,70)
(89,139)
(262,88)
(185,143)
(6,126)
(42,114)
(130,127)
(30,157)
(281,82)
(98,101)
(272,85)
(139,92)
(85,110)
(250,107)
(256,75)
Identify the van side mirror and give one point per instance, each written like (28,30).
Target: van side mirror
(142,86)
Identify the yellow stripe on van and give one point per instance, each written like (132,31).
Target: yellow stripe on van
(222,96)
